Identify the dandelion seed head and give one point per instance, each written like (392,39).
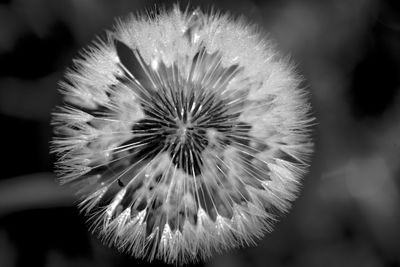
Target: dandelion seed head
(184,132)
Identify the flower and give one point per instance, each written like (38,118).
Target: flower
(184,133)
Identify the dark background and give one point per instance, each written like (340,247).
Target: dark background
(348,211)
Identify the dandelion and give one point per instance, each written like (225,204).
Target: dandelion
(184,132)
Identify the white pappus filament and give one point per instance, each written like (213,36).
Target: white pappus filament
(184,132)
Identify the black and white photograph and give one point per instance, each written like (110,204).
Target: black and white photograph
(200,133)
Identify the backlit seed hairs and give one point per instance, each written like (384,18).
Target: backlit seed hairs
(185,133)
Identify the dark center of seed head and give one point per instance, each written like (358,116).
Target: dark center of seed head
(185,146)
(180,137)
(183,131)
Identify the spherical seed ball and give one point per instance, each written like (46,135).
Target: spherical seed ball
(184,133)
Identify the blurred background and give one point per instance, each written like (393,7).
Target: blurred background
(348,212)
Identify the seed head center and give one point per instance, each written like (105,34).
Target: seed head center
(184,129)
